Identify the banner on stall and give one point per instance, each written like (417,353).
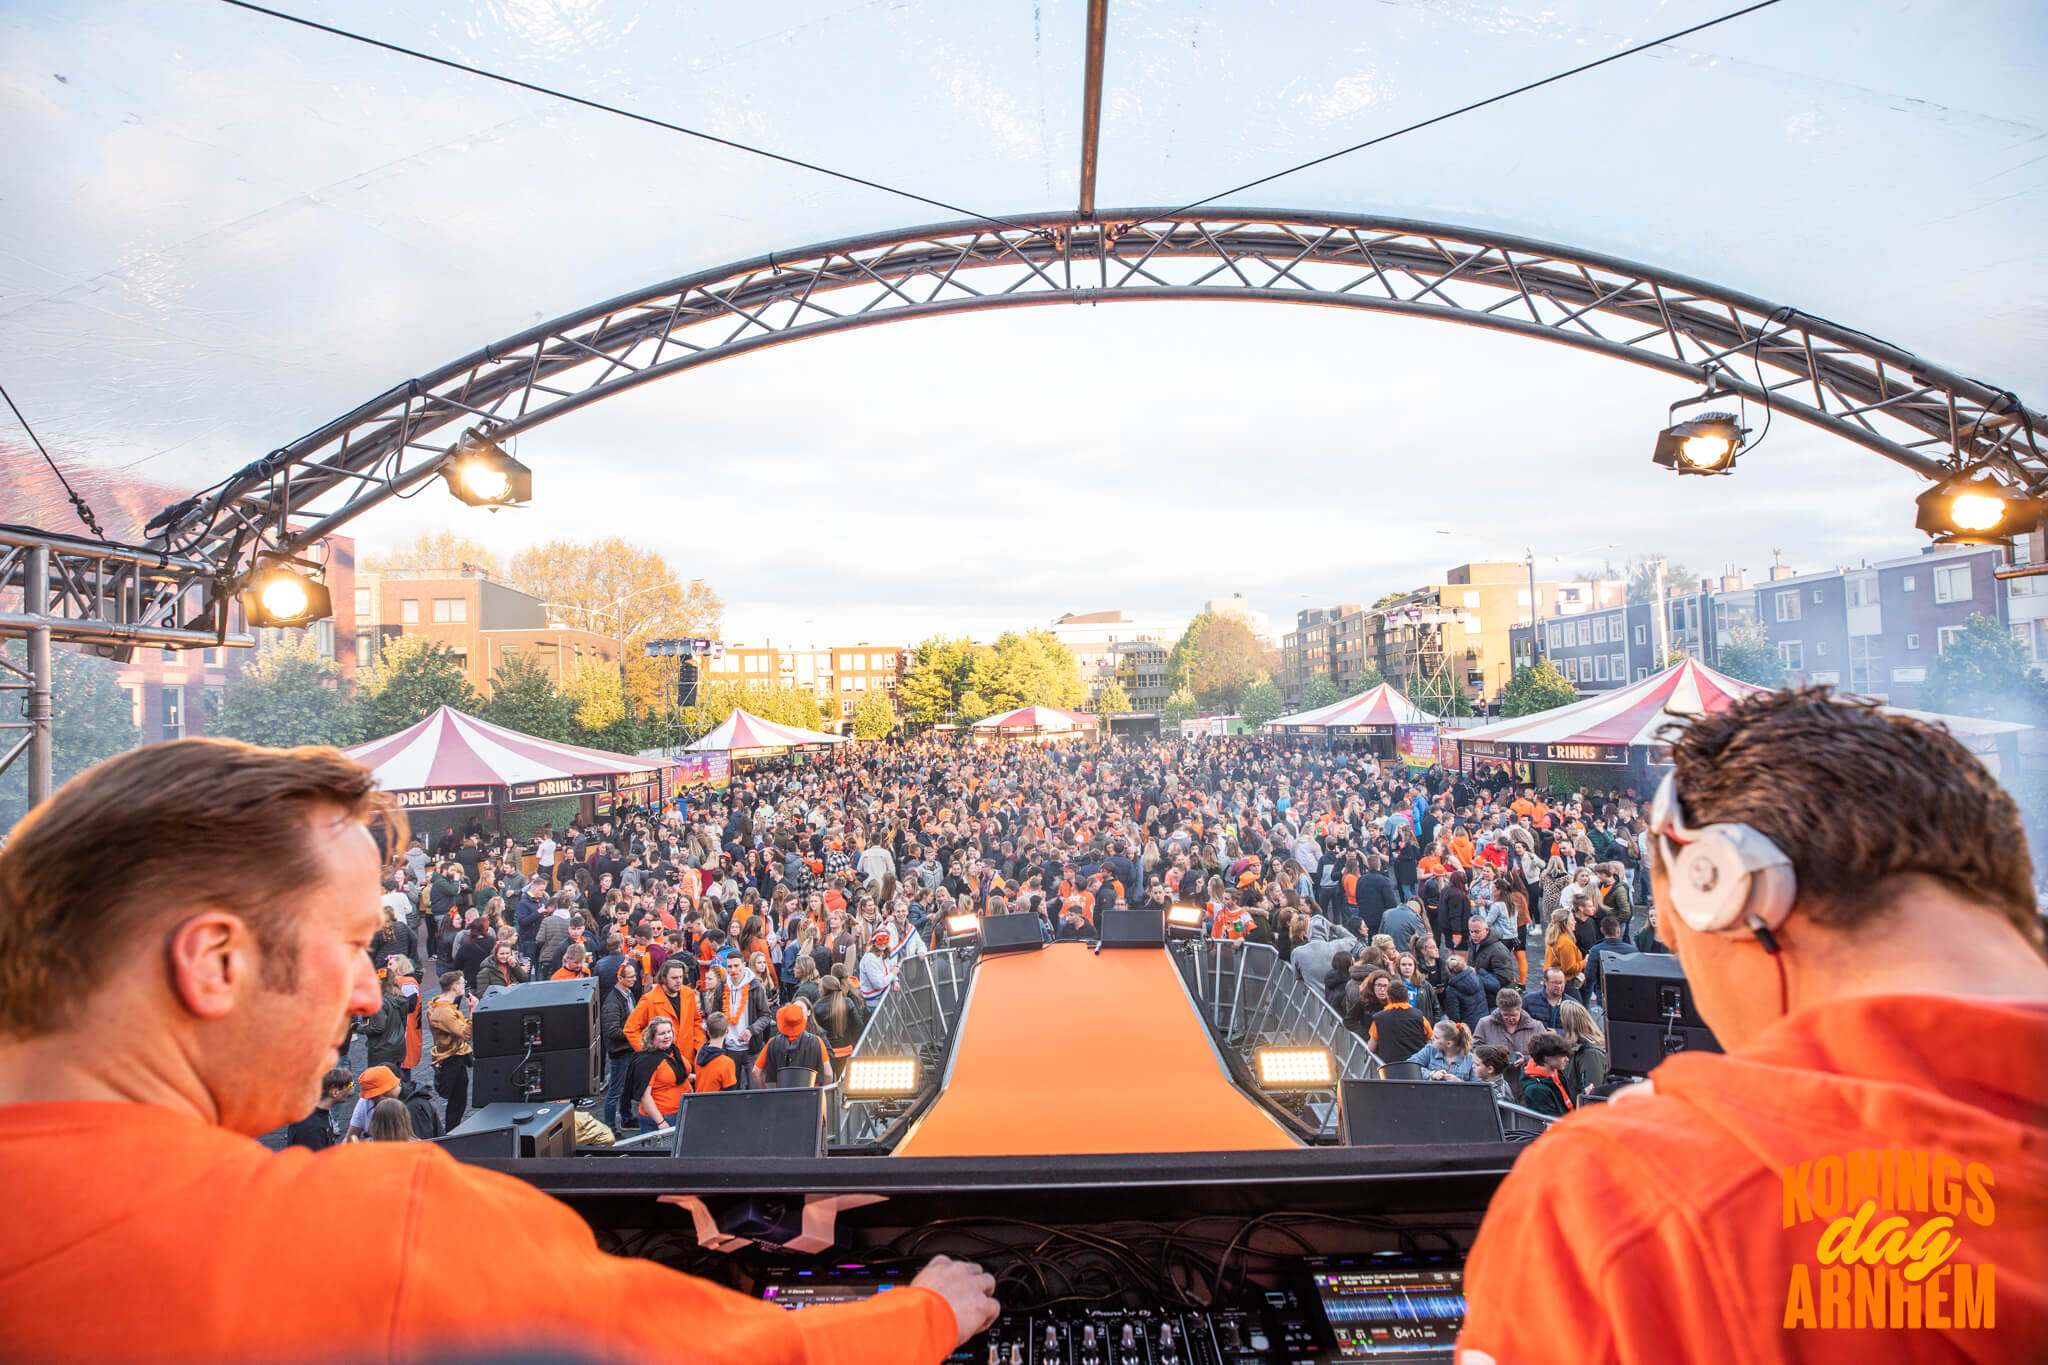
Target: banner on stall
(1416,745)
(1204,725)
(697,770)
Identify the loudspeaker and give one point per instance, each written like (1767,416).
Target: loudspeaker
(571,1074)
(686,689)
(1650,1012)
(1412,1113)
(503,1130)
(1011,933)
(752,1123)
(536,1016)
(1133,928)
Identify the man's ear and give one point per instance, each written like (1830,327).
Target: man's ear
(209,954)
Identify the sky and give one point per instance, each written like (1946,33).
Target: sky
(220,231)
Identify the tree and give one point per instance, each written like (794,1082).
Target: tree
(1031,668)
(1365,680)
(874,715)
(411,678)
(615,588)
(1540,686)
(940,671)
(1113,701)
(1387,597)
(1319,691)
(1747,653)
(437,552)
(1179,707)
(289,694)
(779,702)
(1984,672)
(1218,659)
(973,707)
(593,690)
(1260,703)
(524,698)
(1441,694)
(90,721)
(1642,576)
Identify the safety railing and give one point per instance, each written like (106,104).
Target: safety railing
(916,1019)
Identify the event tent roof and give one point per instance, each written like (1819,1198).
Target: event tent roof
(1381,705)
(745,730)
(1037,720)
(450,749)
(1630,715)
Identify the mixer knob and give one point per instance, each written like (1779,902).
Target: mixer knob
(1016,1355)
(1130,1337)
(1088,1337)
(1166,1335)
(1052,1340)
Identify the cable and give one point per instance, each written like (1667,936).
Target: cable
(84,512)
(601,107)
(1477,104)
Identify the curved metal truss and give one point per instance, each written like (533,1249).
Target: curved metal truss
(1833,377)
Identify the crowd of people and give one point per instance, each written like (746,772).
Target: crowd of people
(744,936)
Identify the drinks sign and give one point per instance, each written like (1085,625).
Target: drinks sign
(551,787)
(435,798)
(1613,755)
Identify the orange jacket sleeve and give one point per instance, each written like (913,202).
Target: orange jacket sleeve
(640,1018)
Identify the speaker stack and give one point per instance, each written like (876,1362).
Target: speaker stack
(504,1131)
(537,1041)
(1650,1012)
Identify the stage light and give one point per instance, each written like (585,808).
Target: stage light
(482,475)
(1184,921)
(881,1078)
(279,595)
(1295,1068)
(963,926)
(1976,512)
(1707,444)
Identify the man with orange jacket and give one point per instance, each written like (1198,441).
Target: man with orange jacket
(673,1000)
(218,899)
(1864,1175)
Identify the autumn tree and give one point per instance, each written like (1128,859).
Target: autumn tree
(616,588)
(1218,659)
(874,716)
(941,671)
(524,698)
(1113,701)
(437,552)
(412,677)
(289,694)
(1028,668)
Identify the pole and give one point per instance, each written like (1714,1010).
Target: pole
(41,754)
(1663,636)
(1535,636)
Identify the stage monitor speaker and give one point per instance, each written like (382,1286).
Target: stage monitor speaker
(1418,1113)
(1133,928)
(1012,933)
(503,1130)
(1650,1012)
(535,1016)
(752,1123)
(570,1074)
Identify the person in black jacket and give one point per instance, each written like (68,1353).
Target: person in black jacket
(1399,1031)
(618,1008)
(384,1031)
(1491,958)
(316,1131)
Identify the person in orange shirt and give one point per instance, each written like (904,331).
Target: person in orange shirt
(573,964)
(671,999)
(218,899)
(1864,1174)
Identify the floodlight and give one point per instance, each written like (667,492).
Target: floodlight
(1184,921)
(277,594)
(1295,1068)
(1707,444)
(482,475)
(963,926)
(881,1078)
(1976,512)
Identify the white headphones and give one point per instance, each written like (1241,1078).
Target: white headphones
(1722,876)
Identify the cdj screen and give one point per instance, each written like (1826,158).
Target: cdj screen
(804,1290)
(1391,1311)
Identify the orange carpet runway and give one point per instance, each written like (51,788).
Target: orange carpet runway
(1070,1051)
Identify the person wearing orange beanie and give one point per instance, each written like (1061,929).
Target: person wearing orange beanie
(795,1045)
(1850,895)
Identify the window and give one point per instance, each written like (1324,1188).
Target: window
(362,601)
(409,611)
(323,637)
(460,658)
(448,610)
(1521,597)
(1906,585)
(860,682)
(1912,642)
(1818,598)
(174,713)
(1617,667)
(1471,599)
(1614,626)
(846,708)
(1945,636)
(1866,670)
(1820,648)
(134,695)
(1571,669)
(548,654)
(751,665)
(1788,606)
(211,656)
(366,649)
(1553,637)
(1863,590)
(1599,668)
(1642,635)
(1952,583)
(1642,673)
(879,663)
(1793,653)
(1599,630)
(1471,625)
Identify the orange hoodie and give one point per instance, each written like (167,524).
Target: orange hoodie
(1718,1211)
(136,1232)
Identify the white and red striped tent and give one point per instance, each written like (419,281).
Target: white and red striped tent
(749,736)
(1630,715)
(450,759)
(1381,705)
(1037,720)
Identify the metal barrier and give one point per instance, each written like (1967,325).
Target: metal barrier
(914,1020)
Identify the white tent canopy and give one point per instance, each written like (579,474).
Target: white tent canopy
(1380,705)
(744,732)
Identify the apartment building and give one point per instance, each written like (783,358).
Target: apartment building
(482,623)
(1092,637)
(1139,667)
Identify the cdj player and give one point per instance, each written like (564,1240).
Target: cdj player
(1318,1311)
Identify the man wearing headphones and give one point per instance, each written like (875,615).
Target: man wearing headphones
(1864,1174)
